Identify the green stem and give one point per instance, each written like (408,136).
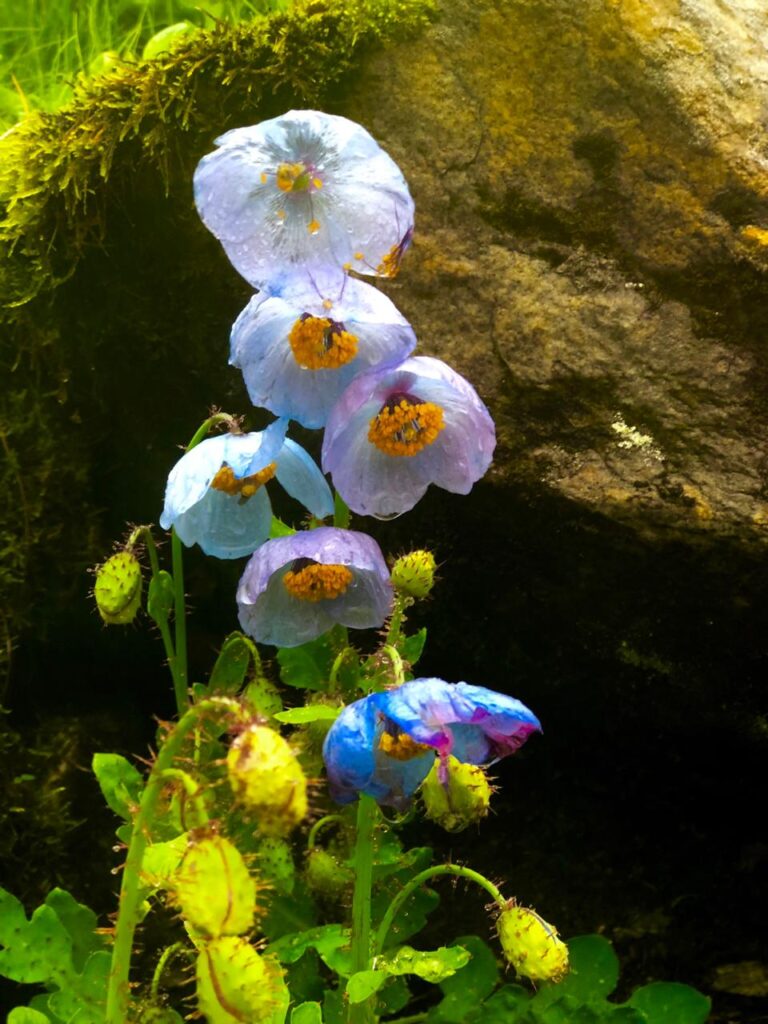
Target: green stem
(397,663)
(367,813)
(341,514)
(161,964)
(329,819)
(402,603)
(180,684)
(205,427)
(118,991)
(193,790)
(415,1018)
(423,876)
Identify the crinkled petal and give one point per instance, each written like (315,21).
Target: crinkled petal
(359,213)
(300,475)
(270,614)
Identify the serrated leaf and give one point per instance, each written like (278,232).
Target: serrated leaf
(263,697)
(84,998)
(12,917)
(38,950)
(432,965)
(468,987)
(326,939)
(307,666)
(307,1013)
(120,783)
(80,921)
(363,984)
(160,596)
(668,1002)
(311,713)
(231,667)
(161,860)
(593,975)
(412,647)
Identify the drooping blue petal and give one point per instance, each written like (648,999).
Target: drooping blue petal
(350,204)
(271,614)
(299,474)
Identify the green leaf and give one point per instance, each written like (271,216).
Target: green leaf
(334,1007)
(26,1015)
(593,975)
(326,939)
(161,860)
(81,923)
(263,697)
(231,666)
(307,666)
(361,986)
(506,1005)
(411,647)
(311,713)
(468,987)
(433,966)
(280,529)
(667,1002)
(419,904)
(83,999)
(307,1013)
(393,997)
(121,784)
(160,597)
(38,950)
(289,913)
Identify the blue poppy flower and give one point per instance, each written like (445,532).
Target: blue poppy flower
(215,496)
(385,744)
(398,429)
(296,588)
(302,342)
(304,188)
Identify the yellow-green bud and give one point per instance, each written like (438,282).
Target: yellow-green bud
(268,780)
(414,574)
(325,875)
(531,945)
(458,801)
(216,894)
(235,984)
(118,588)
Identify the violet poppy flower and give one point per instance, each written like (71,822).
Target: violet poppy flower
(304,188)
(215,496)
(385,744)
(301,343)
(296,588)
(398,429)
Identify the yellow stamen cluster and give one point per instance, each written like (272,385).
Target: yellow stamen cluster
(318,343)
(316,582)
(292,177)
(402,746)
(246,486)
(390,263)
(405,428)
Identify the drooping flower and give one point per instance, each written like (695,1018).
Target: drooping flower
(215,496)
(304,188)
(301,343)
(296,588)
(398,429)
(385,744)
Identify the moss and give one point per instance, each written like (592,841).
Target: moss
(85,196)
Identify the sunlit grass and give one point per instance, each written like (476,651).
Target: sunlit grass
(46,44)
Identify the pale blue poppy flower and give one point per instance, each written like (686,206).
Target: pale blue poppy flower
(296,588)
(398,429)
(300,343)
(304,188)
(215,496)
(385,744)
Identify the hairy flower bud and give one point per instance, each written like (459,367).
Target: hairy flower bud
(216,894)
(455,795)
(531,945)
(414,574)
(118,588)
(324,875)
(267,779)
(235,984)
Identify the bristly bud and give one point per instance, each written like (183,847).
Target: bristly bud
(268,780)
(532,945)
(414,574)
(325,876)
(455,794)
(118,588)
(235,984)
(216,894)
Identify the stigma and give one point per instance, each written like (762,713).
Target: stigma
(405,426)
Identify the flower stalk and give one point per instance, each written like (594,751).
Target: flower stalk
(367,814)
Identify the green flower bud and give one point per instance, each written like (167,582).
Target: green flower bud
(459,799)
(118,588)
(414,574)
(235,984)
(216,894)
(268,780)
(531,945)
(325,875)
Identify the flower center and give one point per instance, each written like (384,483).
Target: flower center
(404,425)
(312,581)
(293,177)
(244,486)
(401,746)
(318,343)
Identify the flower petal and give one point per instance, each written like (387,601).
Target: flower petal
(299,474)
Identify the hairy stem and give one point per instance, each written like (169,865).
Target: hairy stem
(367,813)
